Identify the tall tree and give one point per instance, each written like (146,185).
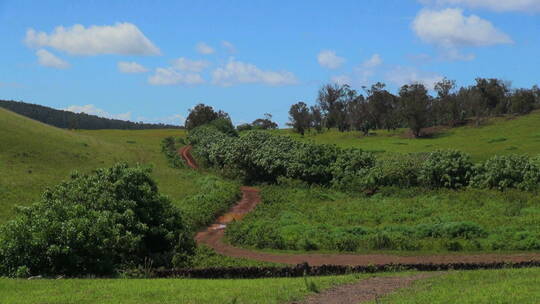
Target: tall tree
(316,118)
(202,114)
(264,123)
(414,102)
(300,117)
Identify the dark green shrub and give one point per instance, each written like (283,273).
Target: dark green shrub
(466,230)
(350,167)
(508,171)
(169,147)
(400,170)
(448,169)
(96,224)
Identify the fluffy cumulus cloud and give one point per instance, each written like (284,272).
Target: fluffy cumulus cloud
(93,110)
(184,64)
(373,62)
(171,76)
(47,59)
(121,38)
(204,48)
(329,59)
(131,67)
(406,75)
(495,5)
(449,28)
(237,72)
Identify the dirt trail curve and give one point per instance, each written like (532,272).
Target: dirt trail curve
(213,237)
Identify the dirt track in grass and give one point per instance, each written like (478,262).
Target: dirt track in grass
(213,238)
(365,290)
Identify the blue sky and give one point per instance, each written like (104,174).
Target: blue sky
(153,60)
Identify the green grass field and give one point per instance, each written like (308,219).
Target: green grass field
(509,286)
(34,156)
(162,291)
(501,135)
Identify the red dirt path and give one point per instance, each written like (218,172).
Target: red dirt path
(213,238)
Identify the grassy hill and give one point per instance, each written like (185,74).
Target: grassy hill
(34,155)
(502,135)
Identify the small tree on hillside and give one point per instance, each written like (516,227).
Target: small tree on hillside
(202,114)
(414,102)
(300,118)
(265,123)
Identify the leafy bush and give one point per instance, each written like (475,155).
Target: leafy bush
(449,169)
(170,146)
(96,224)
(509,171)
(400,170)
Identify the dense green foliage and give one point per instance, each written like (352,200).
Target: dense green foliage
(510,171)
(512,286)
(170,146)
(96,224)
(302,217)
(69,120)
(262,156)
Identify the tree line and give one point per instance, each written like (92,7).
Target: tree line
(70,120)
(343,108)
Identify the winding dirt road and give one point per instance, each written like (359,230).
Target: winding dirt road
(213,238)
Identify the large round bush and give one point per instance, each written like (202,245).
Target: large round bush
(96,224)
(446,168)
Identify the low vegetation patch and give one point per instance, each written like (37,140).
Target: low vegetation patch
(306,218)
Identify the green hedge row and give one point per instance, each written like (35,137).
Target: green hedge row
(262,156)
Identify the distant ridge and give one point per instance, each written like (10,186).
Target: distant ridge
(70,120)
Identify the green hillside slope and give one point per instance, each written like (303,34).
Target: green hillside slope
(503,135)
(34,155)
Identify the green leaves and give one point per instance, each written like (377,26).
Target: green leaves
(95,224)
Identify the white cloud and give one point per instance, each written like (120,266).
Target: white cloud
(373,62)
(237,72)
(204,48)
(50,60)
(449,28)
(131,67)
(229,46)
(407,75)
(170,76)
(329,59)
(184,64)
(93,110)
(121,38)
(495,5)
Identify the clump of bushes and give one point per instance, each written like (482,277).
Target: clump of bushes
(170,146)
(508,171)
(259,156)
(96,224)
(446,169)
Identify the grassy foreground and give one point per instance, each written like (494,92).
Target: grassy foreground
(161,291)
(502,135)
(519,286)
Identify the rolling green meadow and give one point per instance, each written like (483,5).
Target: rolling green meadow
(293,216)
